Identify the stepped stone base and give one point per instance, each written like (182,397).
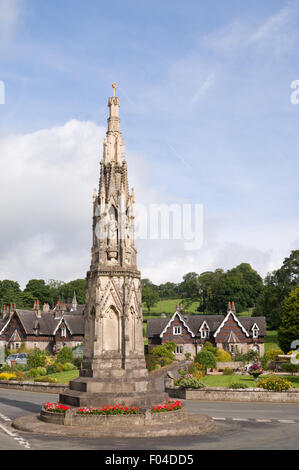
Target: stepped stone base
(188,426)
(100,385)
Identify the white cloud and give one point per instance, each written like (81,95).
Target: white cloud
(46,211)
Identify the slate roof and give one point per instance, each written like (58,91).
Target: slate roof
(47,323)
(155,326)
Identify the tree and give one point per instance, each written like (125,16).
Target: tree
(150,295)
(39,290)
(10,292)
(289,328)
(206,358)
(277,286)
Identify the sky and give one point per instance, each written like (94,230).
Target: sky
(206,114)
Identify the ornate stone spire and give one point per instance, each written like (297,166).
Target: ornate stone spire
(113,225)
(113,358)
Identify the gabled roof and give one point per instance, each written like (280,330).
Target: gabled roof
(47,323)
(181,318)
(231,313)
(15,336)
(156,326)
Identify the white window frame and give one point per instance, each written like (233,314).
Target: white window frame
(179,349)
(63,332)
(177,330)
(255,331)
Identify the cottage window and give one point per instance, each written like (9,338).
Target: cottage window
(179,350)
(63,332)
(205,333)
(255,332)
(177,330)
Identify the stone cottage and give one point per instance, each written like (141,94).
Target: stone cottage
(43,328)
(190,332)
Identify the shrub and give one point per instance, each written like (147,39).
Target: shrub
(59,367)
(236,385)
(65,355)
(209,347)
(189,382)
(68,366)
(288,367)
(52,369)
(51,380)
(41,371)
(197,370)
(7,376)
(223,356)
(228,371)
(37,358)
(272,354)
(165,350)
(77,362)
(19,376)
(275,384)
(206,358)
(32,373)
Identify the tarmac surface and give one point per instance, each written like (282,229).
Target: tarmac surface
(239,426)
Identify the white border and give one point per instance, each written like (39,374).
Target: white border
(237,321)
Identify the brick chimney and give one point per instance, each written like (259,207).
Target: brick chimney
(36,308)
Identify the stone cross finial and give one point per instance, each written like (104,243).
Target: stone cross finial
(114,88)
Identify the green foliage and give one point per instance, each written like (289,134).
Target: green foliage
(228,371)
(206,358)
(278,285)
(223,356)
(46,379)
(150,294)
(272,354)
(77,362)
(189,382)
(238,385)
(165,350)
(68,366)
(36,358)
(289,328)
(52,369)
(32,373)
(275,384)
(38,290)
(65,355)
(41,371)
(289,367)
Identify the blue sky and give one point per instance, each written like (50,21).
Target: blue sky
(205,111)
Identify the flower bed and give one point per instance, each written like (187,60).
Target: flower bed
(109,410)
(274,384)
(56,407)
(170,406)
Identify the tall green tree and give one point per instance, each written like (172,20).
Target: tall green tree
(150,295)
(289,328)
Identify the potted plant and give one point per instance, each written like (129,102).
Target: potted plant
(255,370)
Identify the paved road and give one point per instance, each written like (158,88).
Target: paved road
(246,426)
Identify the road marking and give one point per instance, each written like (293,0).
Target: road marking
(219,419)
(240,419)
(286,421)
(5,418)
(15,435)
(263,421)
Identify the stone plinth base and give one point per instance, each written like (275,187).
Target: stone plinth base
(162,425)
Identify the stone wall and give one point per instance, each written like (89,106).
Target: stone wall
(224,394)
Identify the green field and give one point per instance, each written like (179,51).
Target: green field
(168,307)
(271,341)
(65,377)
